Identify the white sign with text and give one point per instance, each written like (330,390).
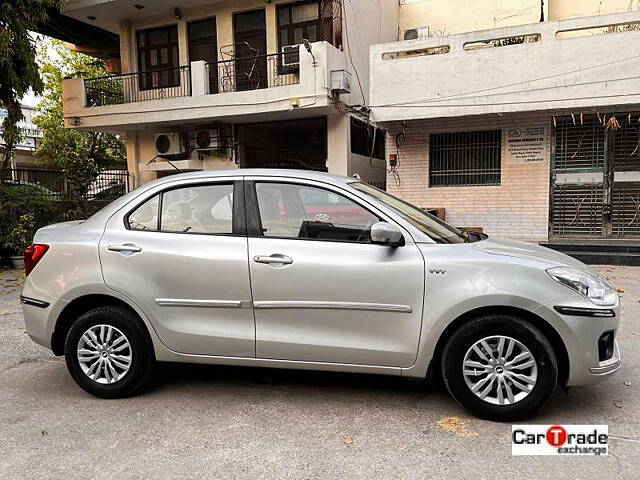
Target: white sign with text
(525,145)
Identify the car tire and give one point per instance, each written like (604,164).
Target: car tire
(467,362)
(119,340)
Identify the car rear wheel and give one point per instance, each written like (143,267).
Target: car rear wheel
(500,367)
(109,353)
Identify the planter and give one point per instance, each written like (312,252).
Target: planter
(17,261)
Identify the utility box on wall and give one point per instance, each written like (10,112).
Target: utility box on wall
(340,81)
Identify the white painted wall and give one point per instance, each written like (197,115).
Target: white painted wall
(456,16)
(459,16)
(589,71)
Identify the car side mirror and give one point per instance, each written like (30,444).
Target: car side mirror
(384,233)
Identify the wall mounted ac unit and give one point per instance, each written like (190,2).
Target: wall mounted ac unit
(168,143)
(290,55)
(415,33)
(209,139)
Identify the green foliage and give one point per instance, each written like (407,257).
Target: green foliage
(20,237)
(18,201)
(18,67)
(79,154)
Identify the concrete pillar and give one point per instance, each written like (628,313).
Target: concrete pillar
(338,144)
(126,47)
(199,78)
(73,99)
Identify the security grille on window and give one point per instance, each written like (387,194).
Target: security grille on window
(464,158)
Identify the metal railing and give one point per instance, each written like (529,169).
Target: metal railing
(255,157)
(108,185)
(138,86)
(253,73)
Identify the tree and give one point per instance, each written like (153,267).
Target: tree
(18,67)
(80,154)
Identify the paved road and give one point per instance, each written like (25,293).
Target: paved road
(211,422)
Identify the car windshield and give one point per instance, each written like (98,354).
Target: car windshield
(435,228)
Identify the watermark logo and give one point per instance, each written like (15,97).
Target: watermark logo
(560,440)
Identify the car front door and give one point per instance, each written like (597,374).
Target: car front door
(181,255)
(322,291)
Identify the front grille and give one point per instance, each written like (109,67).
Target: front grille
(605,346)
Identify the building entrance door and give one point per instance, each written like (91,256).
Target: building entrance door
(595,177)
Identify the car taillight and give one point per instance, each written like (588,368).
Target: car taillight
(32,255)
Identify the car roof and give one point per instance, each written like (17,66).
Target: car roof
(257,172)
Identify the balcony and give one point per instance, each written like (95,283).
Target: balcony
(236,90)
(566,64)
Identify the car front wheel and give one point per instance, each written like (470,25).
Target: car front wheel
(500,367)
(108,352)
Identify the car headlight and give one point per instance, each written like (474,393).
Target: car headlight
(591,286)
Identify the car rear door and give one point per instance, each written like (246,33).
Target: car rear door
(322,291)
(181,255)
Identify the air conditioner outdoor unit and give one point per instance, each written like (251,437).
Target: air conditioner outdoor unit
(290,55)
(168,143)
(415,33)
(209,139)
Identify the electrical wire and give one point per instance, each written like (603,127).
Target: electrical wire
(491,104)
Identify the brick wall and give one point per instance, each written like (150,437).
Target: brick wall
(518,208)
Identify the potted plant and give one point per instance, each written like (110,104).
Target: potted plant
(20,238)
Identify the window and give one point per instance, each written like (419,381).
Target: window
(145,217)
(201,209)
(203,45)
(296,22)
(198,209)
(435,228)
(362,139)
(464,158)
(158,57)
(304,212)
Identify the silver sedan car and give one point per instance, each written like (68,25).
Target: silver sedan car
(296,269)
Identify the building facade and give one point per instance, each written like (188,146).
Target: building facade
(528,129)
(31,135)
(226,84)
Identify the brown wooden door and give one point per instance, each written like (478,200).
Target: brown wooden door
(203,45)
(250,39)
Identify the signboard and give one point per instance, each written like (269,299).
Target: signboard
(525,145)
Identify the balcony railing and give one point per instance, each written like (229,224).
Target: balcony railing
(253,73)
(138,86)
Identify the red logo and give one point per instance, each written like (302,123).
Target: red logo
(556,436)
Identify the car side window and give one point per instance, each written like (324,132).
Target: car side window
(145,217)
(304,212)
(198,209)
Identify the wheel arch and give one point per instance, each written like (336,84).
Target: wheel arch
(77,307)
(550,333)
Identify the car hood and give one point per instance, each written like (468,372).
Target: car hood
(515,248)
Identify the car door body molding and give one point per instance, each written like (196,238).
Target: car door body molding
(381,307)
(191,302)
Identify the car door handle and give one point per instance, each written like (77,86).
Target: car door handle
(275,258)
(130,248)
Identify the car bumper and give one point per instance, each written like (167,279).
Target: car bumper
(40,311)
(581,334)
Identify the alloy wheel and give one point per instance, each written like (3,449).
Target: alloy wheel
(500,370)
(104,354)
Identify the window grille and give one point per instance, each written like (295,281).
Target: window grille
(465,158)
